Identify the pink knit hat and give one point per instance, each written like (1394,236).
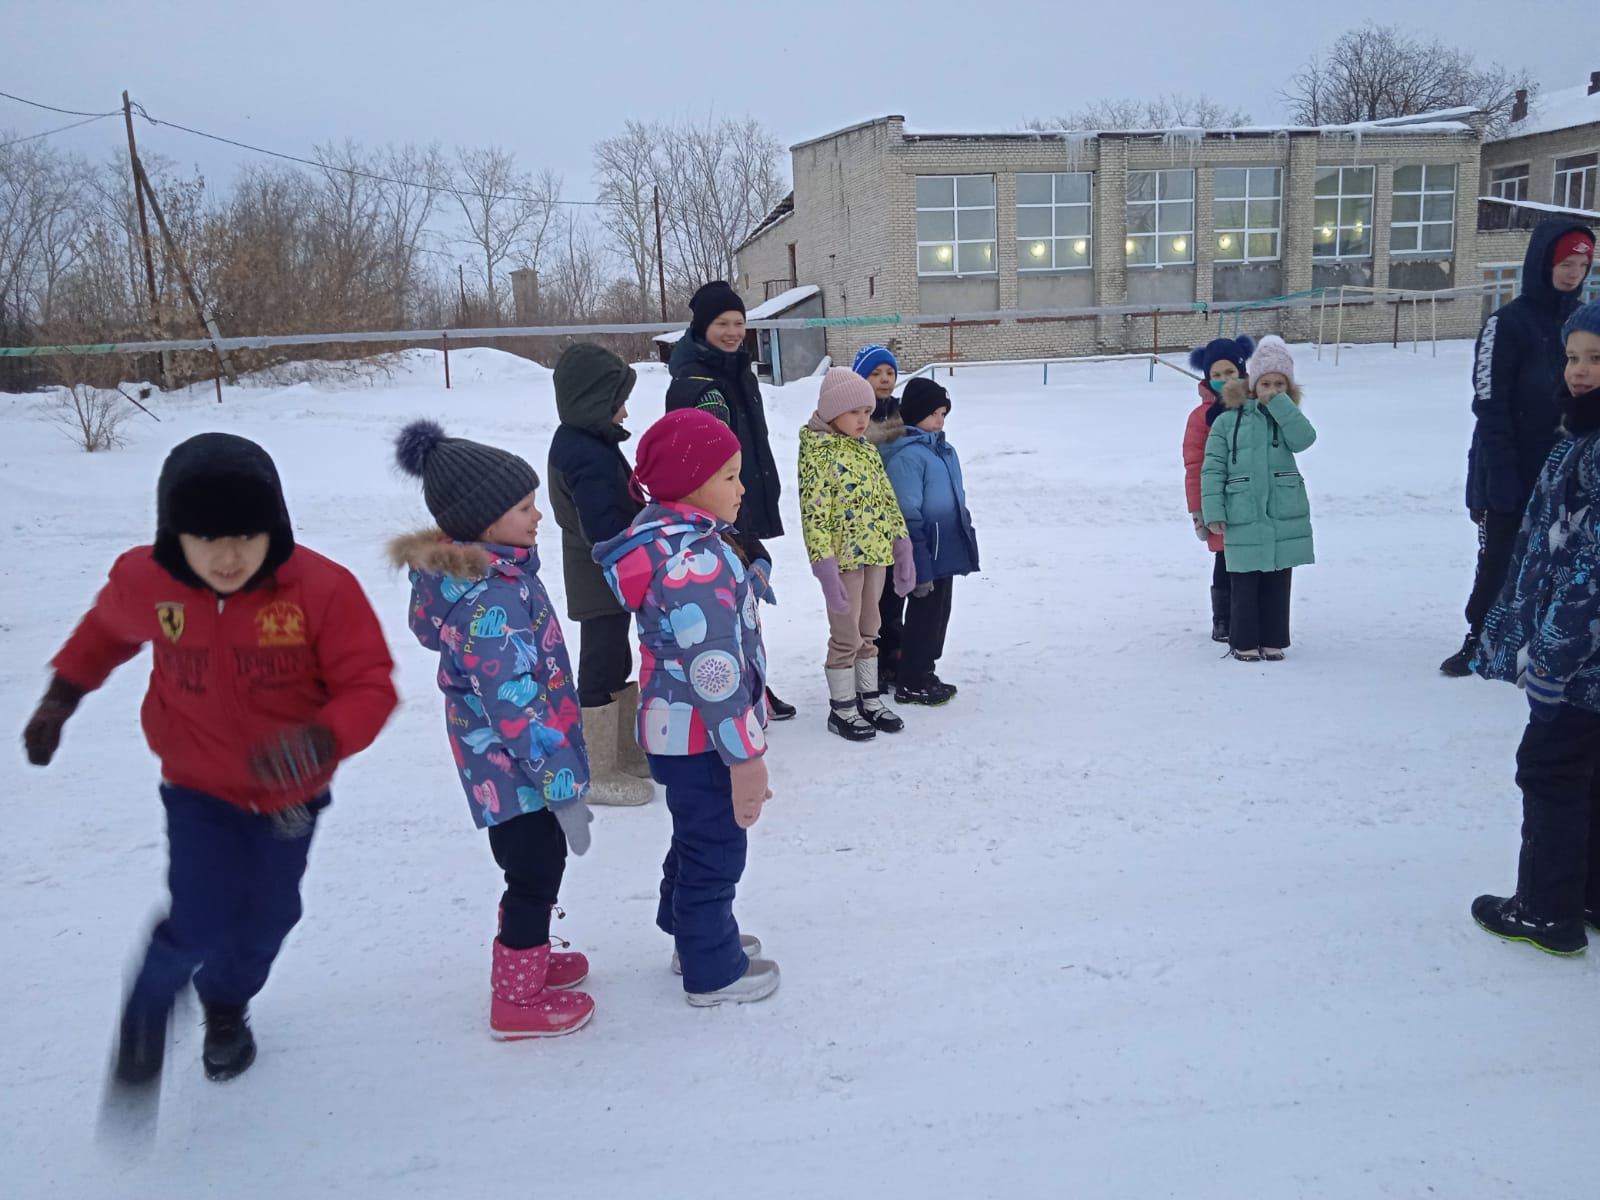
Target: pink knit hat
(1272,357)
(680,452)
(843,391)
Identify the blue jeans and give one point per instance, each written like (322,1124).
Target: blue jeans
(701,870)
(235,883)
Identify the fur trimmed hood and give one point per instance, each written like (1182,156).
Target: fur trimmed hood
(431,551)
(892,429)
(1235,394)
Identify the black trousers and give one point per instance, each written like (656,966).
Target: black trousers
(532,851)
(1497,536)
(926,621)
(1259,609)
(1558,770)
(605,658)
(1221,590)
(891,630)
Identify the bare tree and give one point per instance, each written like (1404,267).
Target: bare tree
(503,210)
(1381,71)
(1174,111)
(627,172)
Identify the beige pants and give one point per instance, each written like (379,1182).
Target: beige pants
(854,635)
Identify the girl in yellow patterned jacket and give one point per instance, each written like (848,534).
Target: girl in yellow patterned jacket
(855,535)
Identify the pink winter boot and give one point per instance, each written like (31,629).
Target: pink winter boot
(567,968)
(523,1005)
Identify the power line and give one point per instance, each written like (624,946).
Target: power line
(69,112)
(321,166)
(33,137)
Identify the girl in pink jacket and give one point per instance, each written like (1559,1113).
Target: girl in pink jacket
(1218,362)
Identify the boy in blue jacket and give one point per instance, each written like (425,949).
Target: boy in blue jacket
(926,473)
(1544,635)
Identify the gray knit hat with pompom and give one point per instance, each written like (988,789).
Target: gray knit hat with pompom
(467,486)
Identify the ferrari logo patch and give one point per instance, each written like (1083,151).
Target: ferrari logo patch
(170,615)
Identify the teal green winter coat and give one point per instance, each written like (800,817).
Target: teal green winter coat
(1250,481)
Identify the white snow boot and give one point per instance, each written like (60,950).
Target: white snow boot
(845,716)
(759,982)
(877,713)
(608,784)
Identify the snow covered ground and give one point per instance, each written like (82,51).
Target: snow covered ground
(1125,920)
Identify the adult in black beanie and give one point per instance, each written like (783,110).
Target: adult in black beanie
(712,370)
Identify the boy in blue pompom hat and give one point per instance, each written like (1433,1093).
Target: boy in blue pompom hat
(879,367)
(1219,362)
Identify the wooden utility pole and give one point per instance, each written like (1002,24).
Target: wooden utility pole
(144,237)
(171,244)
(661,262)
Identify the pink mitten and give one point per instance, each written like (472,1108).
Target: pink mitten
(827,572)
(905,567)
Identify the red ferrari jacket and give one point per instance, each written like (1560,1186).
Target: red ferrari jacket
(303,647)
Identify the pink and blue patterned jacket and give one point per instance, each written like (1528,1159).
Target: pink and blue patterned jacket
(511,703)
(702,668)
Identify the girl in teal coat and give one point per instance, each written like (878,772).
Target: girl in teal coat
(1253,494)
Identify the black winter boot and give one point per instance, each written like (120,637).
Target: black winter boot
(1505,916)
(142,1043)
(1220,601)
(230,1047)
(1459,664)
(930,693)
(777,710)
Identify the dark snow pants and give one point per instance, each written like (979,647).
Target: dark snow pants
(702,870)
(927,619)
(235,883)
(1497,537)
(532,851)
(1558,770)
(1221,590)
(1259,603)
(891,633)
(605,658)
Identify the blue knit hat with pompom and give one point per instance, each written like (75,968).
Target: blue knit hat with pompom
(1235,350)
(467,486)
(1587,319)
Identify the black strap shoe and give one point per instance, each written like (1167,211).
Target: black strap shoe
(777,710)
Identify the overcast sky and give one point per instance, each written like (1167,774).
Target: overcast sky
(547,78)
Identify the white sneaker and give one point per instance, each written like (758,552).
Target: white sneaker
(748,942)
(759,982)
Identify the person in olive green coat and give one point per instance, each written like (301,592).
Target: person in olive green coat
(1253,494)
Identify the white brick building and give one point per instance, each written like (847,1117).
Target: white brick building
(890,221)
(1548,162)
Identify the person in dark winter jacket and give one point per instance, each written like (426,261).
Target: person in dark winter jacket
(1220,361)
(269,669)
(926,473)
(590,497)
(879,367)
(1516,371)
(1544,635)
(711,370)
(510,709)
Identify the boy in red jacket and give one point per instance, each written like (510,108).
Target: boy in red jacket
(269,668)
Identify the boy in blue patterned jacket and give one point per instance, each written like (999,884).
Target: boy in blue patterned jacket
(702,692)
(1544,634)
(511,707)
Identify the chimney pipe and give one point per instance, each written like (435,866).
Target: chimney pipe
(1594,83)
(1519,109)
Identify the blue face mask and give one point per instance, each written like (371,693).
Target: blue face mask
(1216,385)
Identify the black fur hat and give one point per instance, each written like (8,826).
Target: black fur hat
(220,485)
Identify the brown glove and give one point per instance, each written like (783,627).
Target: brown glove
(42,734)
(295,757)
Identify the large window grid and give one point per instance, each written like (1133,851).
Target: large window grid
(1342,213)
(1576,179)
(955,225)
(1504,278)
(1160,218)
(1248,216)
(1054,220)
(1509,183)
(1424,216)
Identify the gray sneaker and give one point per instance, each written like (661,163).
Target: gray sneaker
(748,942)
(759,982)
